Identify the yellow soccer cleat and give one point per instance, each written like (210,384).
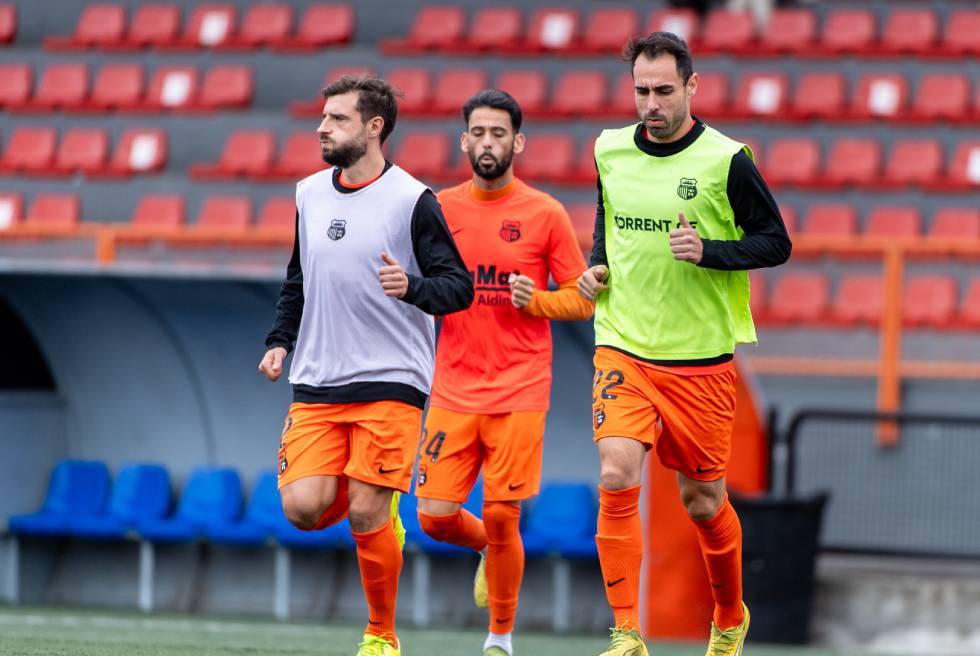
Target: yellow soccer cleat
(625,642)
(373,645)
(495,651)
(396,519)
(730,642)
(481,594)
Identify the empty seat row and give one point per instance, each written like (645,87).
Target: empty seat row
(792,31)
(928,301)
(37,152)
(124,87)
(208,26)
(8,23)
(252,154)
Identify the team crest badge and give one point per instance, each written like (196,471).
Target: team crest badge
(599,415)
(688,188)
(337,229)
(510,231)
(282,465)
(423,475)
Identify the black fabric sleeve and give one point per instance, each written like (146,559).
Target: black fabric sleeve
(289,309)
(766,242)
(598,255)
(445,285)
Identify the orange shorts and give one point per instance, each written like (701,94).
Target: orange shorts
(370,442)
(456,445)
(687,418)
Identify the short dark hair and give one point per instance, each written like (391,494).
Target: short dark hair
(495,99)
(375,97)
(658,43)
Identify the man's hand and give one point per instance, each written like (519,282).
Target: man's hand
(685,243)
(521,288)
(591,282)
(394,280)
(271,364)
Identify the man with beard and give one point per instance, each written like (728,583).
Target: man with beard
(493,364)
(372,261)
(682,213)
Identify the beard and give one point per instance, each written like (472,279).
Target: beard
(343,156)
(670,127)
(490,171)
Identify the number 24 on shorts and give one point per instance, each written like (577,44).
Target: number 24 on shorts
(613,379)
(433,446)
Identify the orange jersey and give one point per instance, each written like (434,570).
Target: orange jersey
(493,357)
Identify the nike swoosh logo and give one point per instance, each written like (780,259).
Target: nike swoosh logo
(456,231)
(503,621)
(702,470)
(610,584)
(382,470)
(720,585)
(512,487)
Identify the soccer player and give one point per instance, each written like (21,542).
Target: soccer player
(372,260)
(682,213)
(493,363)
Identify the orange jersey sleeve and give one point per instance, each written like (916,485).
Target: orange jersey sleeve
(565,304)
(566,264)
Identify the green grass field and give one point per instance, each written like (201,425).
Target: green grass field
(50,632)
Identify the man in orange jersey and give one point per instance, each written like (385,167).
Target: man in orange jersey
(493,361)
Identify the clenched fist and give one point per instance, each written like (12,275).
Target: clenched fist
(592,282)
(271,364)
(394,280)
(685,243)
(521,288)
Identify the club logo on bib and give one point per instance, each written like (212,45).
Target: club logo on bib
(423,475)
(510,231)
(687,189)
(599,415)
(337,230)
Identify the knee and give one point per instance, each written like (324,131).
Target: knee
(702,505)
(368,511)
(615,476)
(304,512)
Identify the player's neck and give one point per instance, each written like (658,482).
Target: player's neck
(677,136)
(503,182)
(365,169)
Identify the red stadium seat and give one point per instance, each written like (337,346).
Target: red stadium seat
(8,23)
(682,22)
(860,300)
(323,25)
(82,150)
(165,211)
(608,29)
(788,214)
(117,86)
(894,221)
(712,99)
(278,213)
(762,95)
(579,93)
(99,26)
(62,86)
(819,96)
(265,25)
(227,87)
(964,172)
(848,31)
(798,298)
(29,150)
(300,156)
(880,95)
(727,31)
(154,26)
(942,97)
(173,87)
(969,313)
(792,162)
(830,220)
(852,162)
(139,151)
(583,171)
(310,108)
(929,301)
(494,28)
(529,88)
(910,31)
(424,155)
(553,29)
(789,31)
(956,223)
(454,87)
(245,153)
(225,212)
(914,162)
(583,222)
(15,85)
(11,210)
(58,211)
(962,29)
(210,26)
(546,157)
(435,27)
(416,84)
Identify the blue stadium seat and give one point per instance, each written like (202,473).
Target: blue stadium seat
(211,496)
(140,492)
(562,521)
(337,536)
(77,489)
(262,517)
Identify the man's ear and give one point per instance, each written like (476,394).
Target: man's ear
(692,84)
(462,143)
(518,143)
(375,125)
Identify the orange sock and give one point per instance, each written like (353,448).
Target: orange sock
(619,538)
(380,559)
(505,562)
(721,545)
(462,528)
(338,509)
